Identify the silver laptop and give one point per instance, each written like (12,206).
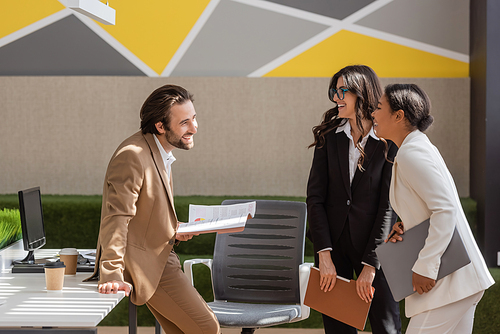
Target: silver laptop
(397,259)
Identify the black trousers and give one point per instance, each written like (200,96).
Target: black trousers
(384,311)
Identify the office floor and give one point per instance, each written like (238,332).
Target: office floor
(151,330)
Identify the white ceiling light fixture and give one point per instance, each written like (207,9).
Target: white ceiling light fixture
(94,9)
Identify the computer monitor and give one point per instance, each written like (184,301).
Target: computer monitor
(30,208)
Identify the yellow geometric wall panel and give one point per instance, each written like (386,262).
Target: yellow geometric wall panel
(386,58)
(251,38)
(15,15)
(154,30)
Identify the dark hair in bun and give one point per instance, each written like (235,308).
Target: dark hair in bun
(425,122)
(413,101)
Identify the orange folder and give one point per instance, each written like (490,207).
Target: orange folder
(342,303)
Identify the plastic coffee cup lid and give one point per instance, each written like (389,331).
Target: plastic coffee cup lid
(68,251)
(54,265)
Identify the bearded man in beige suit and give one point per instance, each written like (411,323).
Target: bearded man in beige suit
(138,219)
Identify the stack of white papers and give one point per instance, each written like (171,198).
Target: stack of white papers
(217,218)
(89,255)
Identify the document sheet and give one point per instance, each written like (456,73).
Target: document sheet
(217,218)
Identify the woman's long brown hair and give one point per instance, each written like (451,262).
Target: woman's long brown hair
(362,81)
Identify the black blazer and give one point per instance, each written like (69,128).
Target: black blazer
(332,201)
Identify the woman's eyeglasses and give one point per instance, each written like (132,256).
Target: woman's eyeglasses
(340,91)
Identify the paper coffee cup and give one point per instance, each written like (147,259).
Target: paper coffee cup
(54,275)
(70,257)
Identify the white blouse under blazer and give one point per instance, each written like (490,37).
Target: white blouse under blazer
(421,188)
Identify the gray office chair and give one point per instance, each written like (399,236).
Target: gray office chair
(258,275)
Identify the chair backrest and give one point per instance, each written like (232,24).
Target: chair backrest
(261,264)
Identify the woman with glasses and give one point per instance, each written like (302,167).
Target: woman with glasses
(422,188)
(348,197)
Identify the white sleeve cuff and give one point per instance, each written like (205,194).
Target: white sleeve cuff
(366,264)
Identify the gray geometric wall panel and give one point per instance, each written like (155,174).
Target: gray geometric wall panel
(442,23)
(337,9)
(66,47)
(238,39)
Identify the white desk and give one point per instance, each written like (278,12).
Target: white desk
(28,305)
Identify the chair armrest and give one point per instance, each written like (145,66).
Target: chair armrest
(188,267)
(304,270)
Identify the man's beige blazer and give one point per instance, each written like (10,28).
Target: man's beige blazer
(138,220)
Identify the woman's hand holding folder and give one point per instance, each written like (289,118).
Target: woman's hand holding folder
(397,231)
(422,284)
(364,286)
(328,273)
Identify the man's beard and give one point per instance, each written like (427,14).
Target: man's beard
(177,142)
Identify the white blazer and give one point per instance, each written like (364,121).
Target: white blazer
(421,188)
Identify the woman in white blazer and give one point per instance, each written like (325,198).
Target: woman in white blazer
(421,188)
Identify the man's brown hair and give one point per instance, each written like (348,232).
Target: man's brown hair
(157,107)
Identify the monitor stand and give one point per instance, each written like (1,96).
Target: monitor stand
(27,265)
(29,259)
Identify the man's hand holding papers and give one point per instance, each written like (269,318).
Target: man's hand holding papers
(217,218)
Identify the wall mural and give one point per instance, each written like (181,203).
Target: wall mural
(249,38)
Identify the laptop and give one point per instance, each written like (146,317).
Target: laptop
(397,259)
